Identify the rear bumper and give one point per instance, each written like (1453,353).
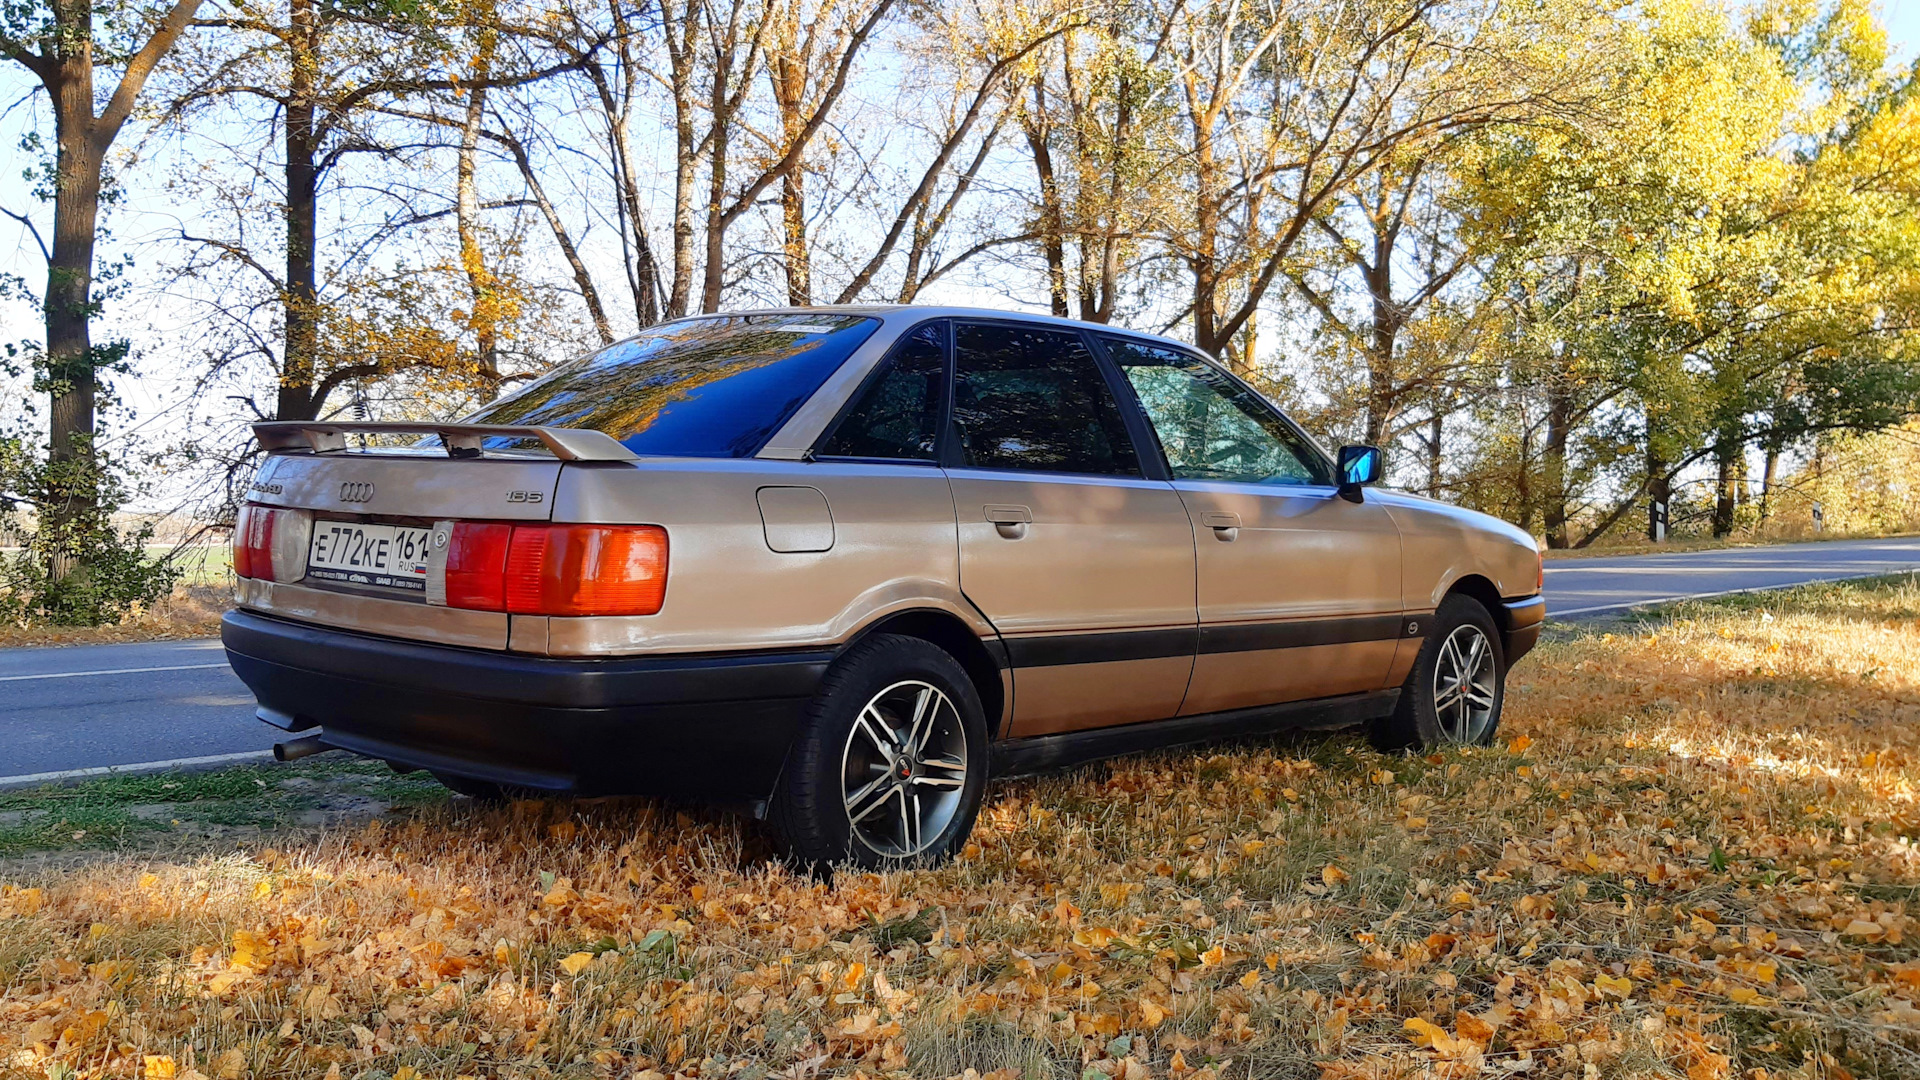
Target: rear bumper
(703,726)
(1520,622)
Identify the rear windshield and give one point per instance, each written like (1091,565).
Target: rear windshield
(718,386)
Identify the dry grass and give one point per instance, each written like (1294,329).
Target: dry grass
(1692,855)
(192,611)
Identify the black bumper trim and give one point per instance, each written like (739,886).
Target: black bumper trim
(433,761)
(1302,633)
(1521,621)
(694,725)
(1053,650)
(530,680)
(1050,650)
(1525,612)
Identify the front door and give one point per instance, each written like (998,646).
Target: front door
(1083,565)
(1299,588)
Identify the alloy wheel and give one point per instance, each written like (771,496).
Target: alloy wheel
(1464,689)
(904,768)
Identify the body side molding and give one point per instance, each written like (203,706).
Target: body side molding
(1016,757)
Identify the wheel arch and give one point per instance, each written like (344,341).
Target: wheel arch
(1483,591)
(947,632)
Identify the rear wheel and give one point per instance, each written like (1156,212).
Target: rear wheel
(1457,686)
(891,764)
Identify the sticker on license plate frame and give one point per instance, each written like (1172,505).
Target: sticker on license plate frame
(369,553)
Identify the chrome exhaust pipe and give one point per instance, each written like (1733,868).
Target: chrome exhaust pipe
(299,748)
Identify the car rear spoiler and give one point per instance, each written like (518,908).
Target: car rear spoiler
(461,440)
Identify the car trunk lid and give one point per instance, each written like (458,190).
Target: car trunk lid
(343,502)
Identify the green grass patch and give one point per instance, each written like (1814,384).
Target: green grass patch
(114,811)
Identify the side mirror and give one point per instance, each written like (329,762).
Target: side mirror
(1359,466)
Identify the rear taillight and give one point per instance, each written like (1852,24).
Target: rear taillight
(476,566)
(270,543)
(253,542)
(557,569)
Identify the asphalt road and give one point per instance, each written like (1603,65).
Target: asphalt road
(90,706)
(1601,585)
(96,707)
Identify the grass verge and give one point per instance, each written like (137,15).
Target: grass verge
(1692,854)
(115,812)
(192,611)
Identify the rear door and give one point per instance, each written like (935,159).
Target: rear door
(1083,564)
(1299,589)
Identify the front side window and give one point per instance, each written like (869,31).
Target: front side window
(1211,427)
(718,386)
(897,417)
(1032,398)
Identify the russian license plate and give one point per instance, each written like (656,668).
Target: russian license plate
(389,556)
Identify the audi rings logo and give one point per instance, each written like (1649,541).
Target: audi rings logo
(357,491)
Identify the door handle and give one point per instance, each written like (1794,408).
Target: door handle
(1009,520)
(1225,526)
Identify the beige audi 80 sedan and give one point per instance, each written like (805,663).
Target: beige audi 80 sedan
(841,565)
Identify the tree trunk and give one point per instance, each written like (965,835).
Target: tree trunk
(68,304)
(1554,463)
(1206,225)
(1051,216)
(1523,481)
(1382,395)
(72,364)
(1110,218)
(686,157)
(715,267)
(299,363)
(684,178)
(1723,492)
(1383,332)
(1434,431)
(482,289)
(637,260)
(646,272)
(1767,478)
(793,219)
(788,75)
(1659,491)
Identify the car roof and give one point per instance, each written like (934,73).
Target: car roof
(917,312)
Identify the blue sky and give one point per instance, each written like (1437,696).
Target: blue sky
(1903,24)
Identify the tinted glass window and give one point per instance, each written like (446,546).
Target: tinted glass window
(898,414)
(1211,427)
(1031,398)
(709,387)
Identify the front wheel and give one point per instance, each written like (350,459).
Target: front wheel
(1454,693)
(891,764)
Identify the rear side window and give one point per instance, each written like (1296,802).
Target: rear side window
(1034,399)
(718,386)
(898,415)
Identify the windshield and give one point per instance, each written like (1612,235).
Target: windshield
(717,386)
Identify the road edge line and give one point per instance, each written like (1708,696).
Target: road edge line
(138,767)
(110,671)
(1725,592)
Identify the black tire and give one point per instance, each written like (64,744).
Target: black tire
(840,753)
(485,791)
(1417,721)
